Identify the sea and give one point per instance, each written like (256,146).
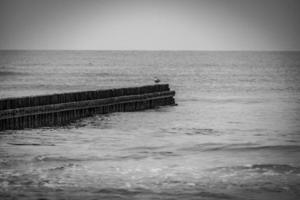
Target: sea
(234,134)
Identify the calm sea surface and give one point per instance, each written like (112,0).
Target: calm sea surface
(235,133)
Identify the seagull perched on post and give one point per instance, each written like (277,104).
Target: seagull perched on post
(156,80)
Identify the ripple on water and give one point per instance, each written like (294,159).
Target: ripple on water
(191,131)
(240,147)
(261,168)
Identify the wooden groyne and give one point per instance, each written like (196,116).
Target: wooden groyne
(59,109)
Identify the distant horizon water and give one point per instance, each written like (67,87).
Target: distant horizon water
(200,50)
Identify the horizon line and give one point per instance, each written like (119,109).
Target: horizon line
(224,50)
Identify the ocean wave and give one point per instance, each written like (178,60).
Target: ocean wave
(12,73)
(138,148)
(65,159)
(147,154)
(57,159)
(30,144)
(62,167)
(262,168)
(42,158)
(143,154)
(240,147)
(222,101)
(192,131)
(175,193)
(277,167)
(122,191)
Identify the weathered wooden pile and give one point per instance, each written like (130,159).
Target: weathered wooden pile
(59,109)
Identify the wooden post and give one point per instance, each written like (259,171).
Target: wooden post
(56,109)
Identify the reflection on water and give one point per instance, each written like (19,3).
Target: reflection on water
(233,135)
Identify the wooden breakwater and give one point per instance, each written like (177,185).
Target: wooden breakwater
(59,109)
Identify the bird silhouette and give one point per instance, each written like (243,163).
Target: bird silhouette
(156,80)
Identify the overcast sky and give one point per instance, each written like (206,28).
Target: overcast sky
(150,25)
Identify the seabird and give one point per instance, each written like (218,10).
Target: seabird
(156,80)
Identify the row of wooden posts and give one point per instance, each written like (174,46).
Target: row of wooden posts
(59,109)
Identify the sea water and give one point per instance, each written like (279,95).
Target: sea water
(235,133)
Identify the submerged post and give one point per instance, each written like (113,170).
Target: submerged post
(58,109)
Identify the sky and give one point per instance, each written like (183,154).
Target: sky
(150,24)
